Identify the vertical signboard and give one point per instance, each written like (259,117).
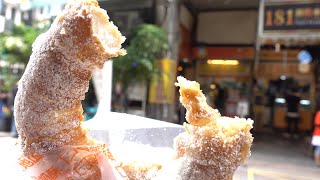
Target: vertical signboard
(162,88)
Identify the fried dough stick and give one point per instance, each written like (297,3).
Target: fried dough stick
(48,109)
(212,146)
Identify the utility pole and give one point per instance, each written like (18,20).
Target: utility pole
(173,39)
(173,28)
(167,16)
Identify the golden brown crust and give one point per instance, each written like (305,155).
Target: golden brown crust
(212,146)
(48,107)
(199,113)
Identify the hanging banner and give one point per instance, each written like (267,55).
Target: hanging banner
(162,89)
(291,16)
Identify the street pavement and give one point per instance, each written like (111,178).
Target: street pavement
(277,158)
(273,158)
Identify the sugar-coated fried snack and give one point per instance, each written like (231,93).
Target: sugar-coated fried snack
(212,146)
(48,109)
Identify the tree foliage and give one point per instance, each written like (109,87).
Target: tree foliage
(147,43)
(16,48)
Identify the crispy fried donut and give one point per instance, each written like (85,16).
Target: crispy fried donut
(212,146)
(48,109)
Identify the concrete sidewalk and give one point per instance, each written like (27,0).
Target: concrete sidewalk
(273,158)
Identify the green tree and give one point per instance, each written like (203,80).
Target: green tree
(146,43)
(16,48)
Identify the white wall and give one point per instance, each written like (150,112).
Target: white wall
(227,27)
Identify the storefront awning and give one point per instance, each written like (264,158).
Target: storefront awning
(290,39)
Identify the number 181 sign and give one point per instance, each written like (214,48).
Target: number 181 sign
(291,16)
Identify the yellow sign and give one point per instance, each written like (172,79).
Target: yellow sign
(234,68)
(162,90)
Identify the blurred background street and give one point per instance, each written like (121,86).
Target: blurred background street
(253,59)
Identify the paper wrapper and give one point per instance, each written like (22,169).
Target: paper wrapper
(73,162)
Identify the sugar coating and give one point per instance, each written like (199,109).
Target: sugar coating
(212,146)
(48,109)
